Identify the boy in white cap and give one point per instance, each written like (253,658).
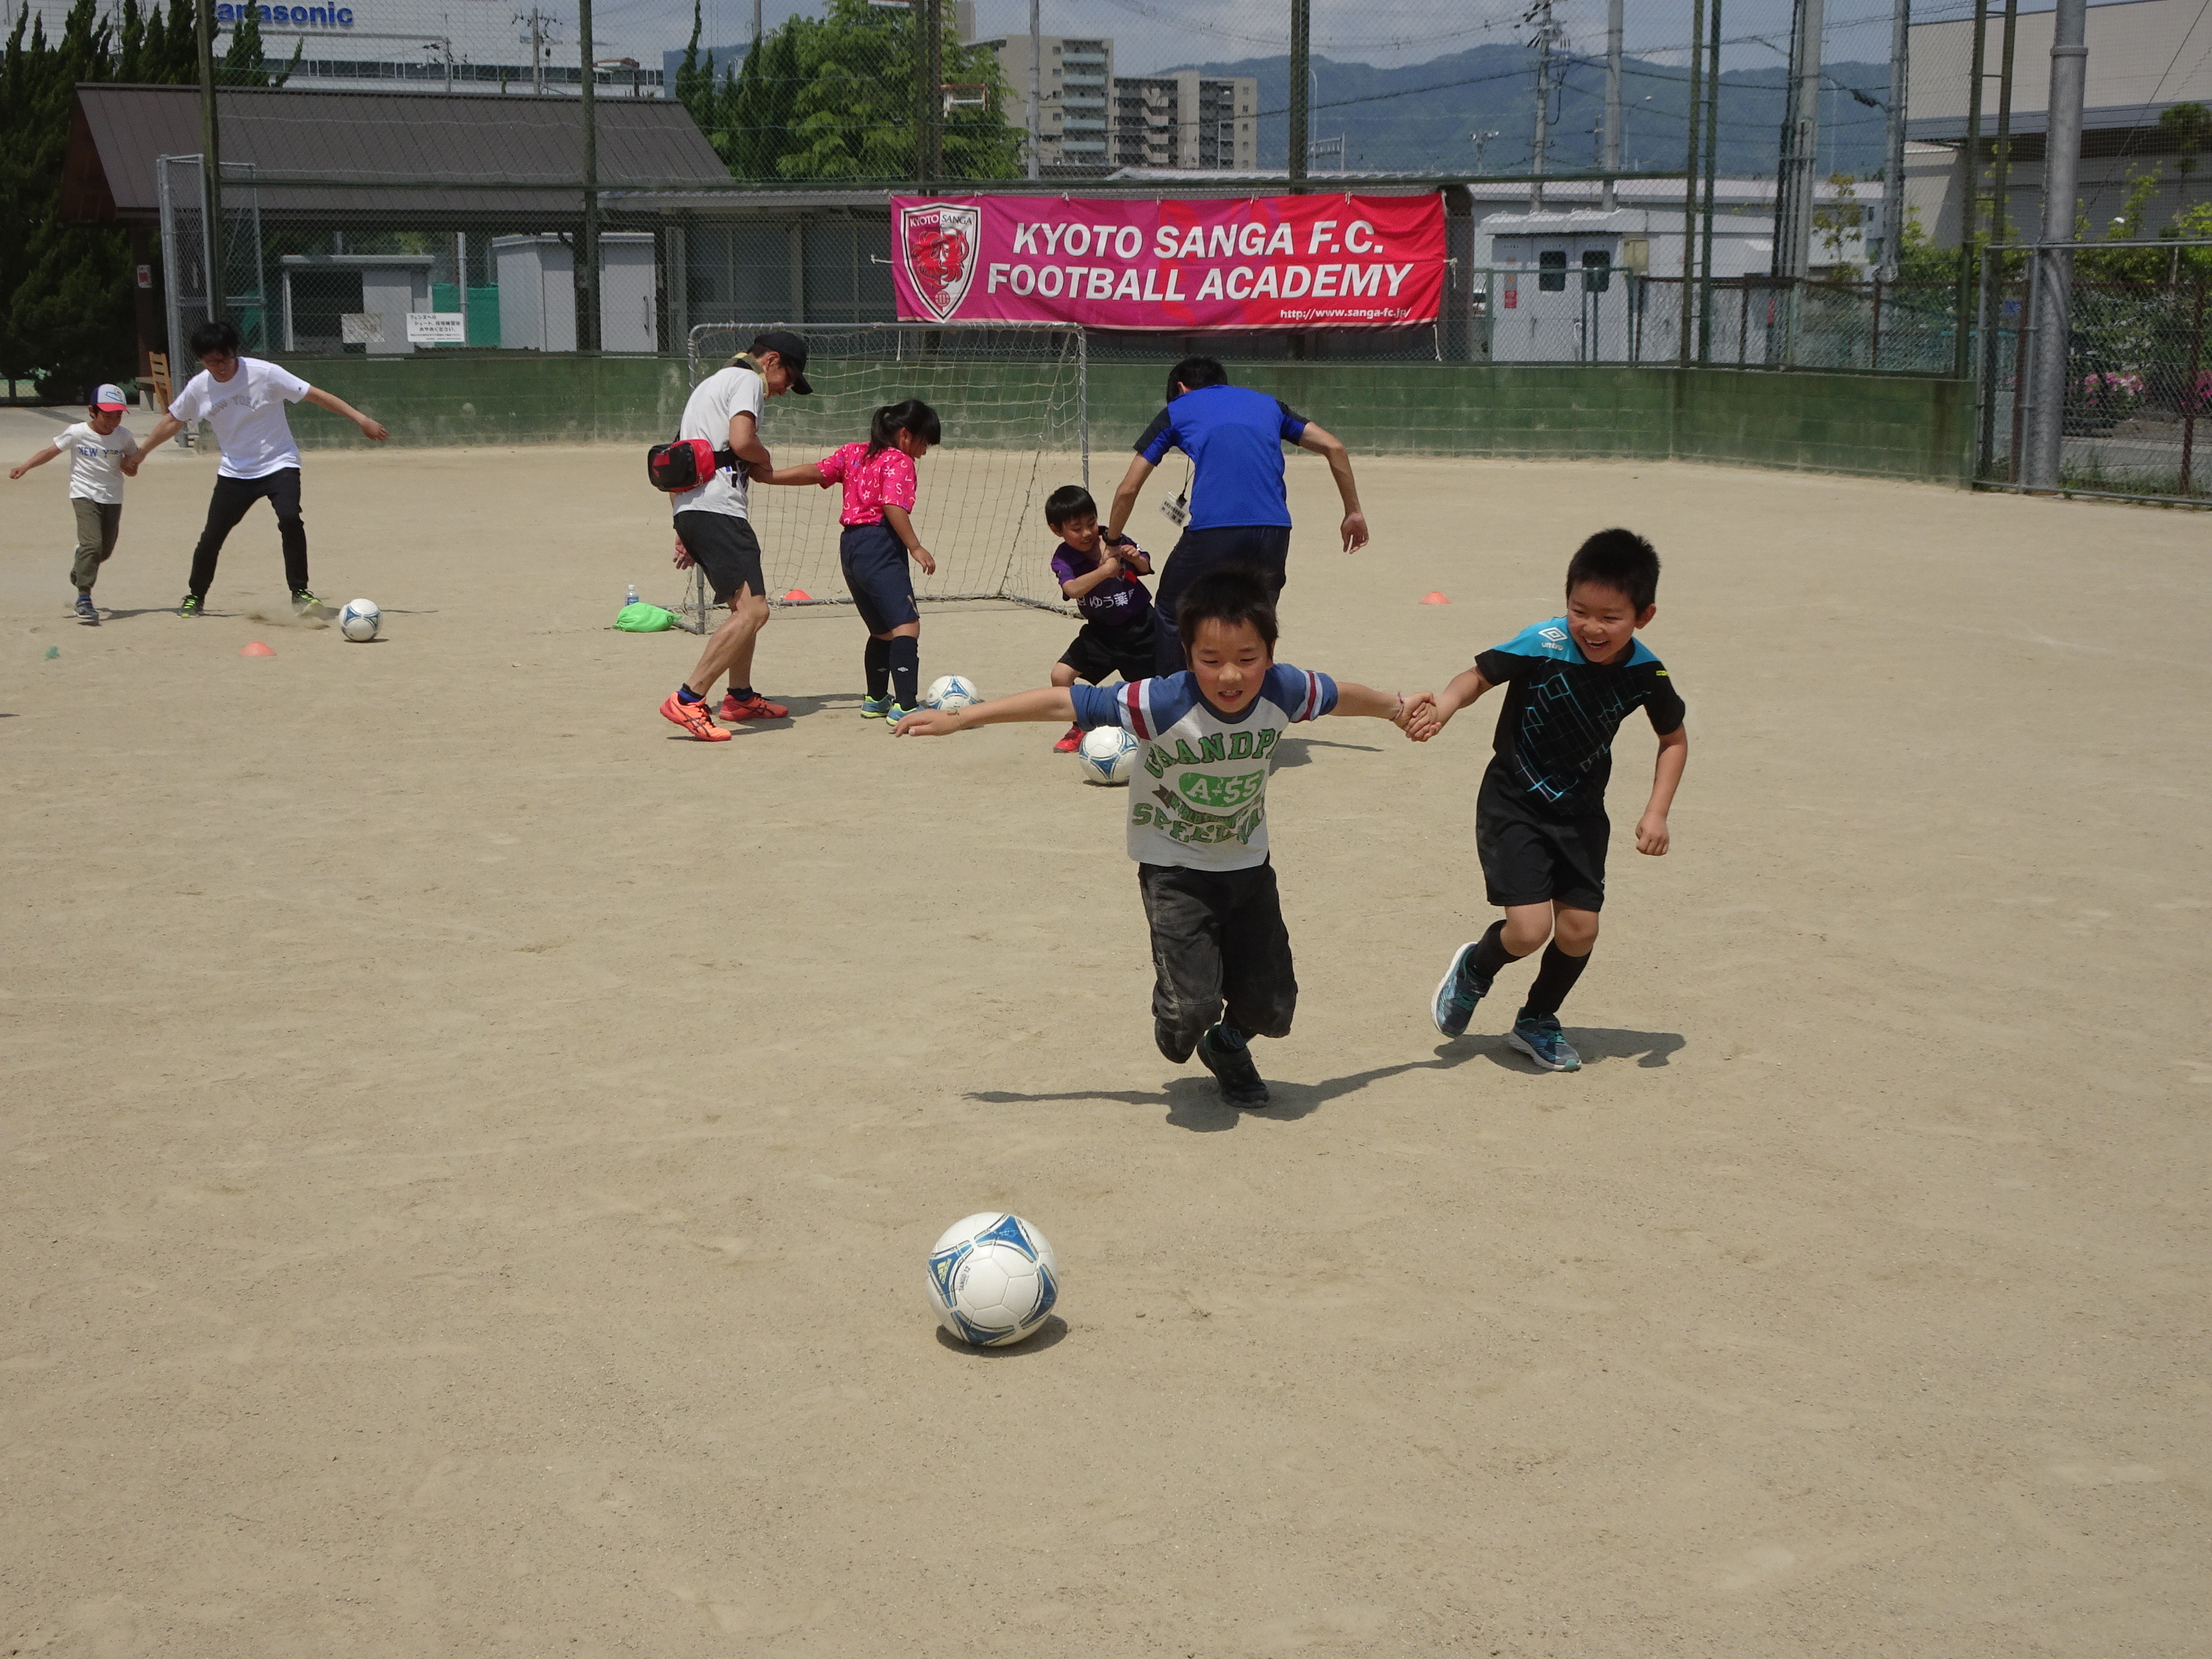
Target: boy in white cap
(97,448)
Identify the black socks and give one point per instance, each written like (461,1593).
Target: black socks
(877,660)
(1491,955)
(1555,976)
(905,653)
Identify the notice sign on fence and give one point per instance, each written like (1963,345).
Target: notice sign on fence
(1177,265)
(437,328)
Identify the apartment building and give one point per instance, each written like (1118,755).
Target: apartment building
(1090,120)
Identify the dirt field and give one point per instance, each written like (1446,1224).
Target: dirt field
(468,1152)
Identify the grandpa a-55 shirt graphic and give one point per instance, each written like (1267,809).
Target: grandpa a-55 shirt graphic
(1200,795)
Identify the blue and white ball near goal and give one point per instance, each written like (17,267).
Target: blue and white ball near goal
(992,1278)
(951,693)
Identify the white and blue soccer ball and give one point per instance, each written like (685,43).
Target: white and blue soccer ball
(951,693)
(1108,755)
(992,1278)
(360,620)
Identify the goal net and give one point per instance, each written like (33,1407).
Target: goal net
(1013,402)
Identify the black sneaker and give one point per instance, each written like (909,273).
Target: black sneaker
(1232,1068)
(86,612)
(305,604)
(191,605)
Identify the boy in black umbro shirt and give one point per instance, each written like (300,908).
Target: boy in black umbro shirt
(1540,823)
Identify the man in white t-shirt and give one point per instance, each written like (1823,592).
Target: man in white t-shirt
(244,400)
(714,531)
(98,447)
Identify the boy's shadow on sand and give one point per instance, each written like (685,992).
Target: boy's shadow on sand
(1298,752)
(1195,1104)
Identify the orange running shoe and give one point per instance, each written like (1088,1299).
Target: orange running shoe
(1070,741)
(755,708)
(693,718)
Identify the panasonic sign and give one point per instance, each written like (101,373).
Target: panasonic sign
(329,17)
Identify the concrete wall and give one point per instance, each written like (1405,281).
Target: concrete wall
(1880,426)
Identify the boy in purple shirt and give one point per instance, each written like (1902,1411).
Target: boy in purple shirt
(1117,634)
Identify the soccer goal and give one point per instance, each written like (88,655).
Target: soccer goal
(1015,405)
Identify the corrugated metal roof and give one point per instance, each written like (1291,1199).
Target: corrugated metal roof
(382,152)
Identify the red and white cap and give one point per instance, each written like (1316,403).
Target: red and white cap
(110,397)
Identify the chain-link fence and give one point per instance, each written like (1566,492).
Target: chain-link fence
(2138,378)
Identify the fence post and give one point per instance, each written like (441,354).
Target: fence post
(2189,398)
(1874,347)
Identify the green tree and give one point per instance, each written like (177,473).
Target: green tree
(833,97)
(2187,124)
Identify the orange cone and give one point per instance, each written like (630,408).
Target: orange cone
(257,649)
(1433,598)
(798,596)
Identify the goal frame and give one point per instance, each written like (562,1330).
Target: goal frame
(699,601)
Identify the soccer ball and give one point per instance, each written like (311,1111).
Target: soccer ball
(1108,755)
(951,693)
(360,620)
(993,1280)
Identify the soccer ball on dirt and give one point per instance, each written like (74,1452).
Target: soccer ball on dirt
(951,693)
(993,1280)
(1108,755)
(360,620)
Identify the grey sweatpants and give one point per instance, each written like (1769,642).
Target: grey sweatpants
(98,523)
(1218,945)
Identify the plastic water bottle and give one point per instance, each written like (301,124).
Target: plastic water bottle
(632,599)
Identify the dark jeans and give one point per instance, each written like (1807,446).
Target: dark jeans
(227,506)
(1262,548)
(1218,939)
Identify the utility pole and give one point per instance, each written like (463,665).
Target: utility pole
(757,24)
(587,246)
(1612,163)
(1712,124)
(1892,174)
(210,169)
(1544,41)
(2054,289)
(1690,175)
(1301,91)
(2000,233)
(1037,82)
(1794,199)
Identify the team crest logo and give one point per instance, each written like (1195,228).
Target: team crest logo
(938,243)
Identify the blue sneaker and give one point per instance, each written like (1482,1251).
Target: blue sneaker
(874,708)
(1537,1035)
(894,711)
(1458,992)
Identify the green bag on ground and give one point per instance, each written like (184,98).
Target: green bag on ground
(642,618)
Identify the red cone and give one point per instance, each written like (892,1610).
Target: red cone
(798,596)
(257,649)
(1433,598)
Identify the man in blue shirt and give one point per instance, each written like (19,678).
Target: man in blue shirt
(1234,437)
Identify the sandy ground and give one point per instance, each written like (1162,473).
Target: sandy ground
(469,1151)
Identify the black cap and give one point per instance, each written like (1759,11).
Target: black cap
(792,349)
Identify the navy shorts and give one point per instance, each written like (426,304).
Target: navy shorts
(1263,549)
(1099,650)
(877,575)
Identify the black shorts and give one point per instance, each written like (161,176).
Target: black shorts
(1219,947)
(1097,651)
(726,549)
(877,576)
(1529,859)
(1262,548)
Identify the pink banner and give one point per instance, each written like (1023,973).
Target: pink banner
(1176,264)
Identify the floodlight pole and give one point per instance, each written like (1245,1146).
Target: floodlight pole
(928,91)
(1710,168)
(2061,162)
(1036,83)
(587,246)
(1970,180)
(1301,91)
(210,170)
(2000,231)
(1793,248)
